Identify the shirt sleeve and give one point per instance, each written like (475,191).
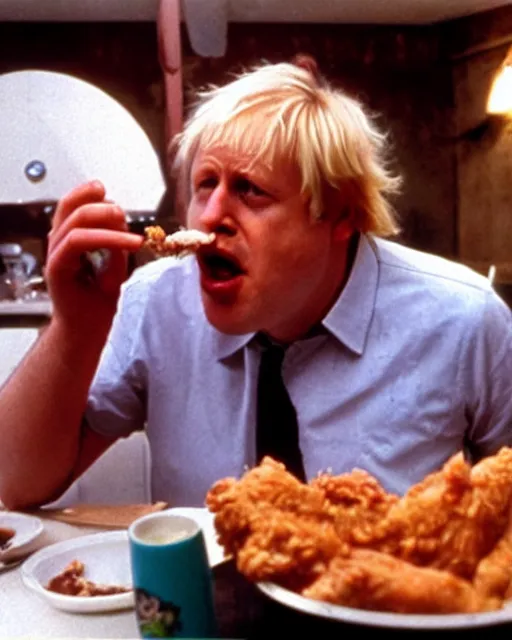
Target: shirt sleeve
(117,398)
(487,379)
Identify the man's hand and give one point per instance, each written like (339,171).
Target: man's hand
(84,221)
(44,435)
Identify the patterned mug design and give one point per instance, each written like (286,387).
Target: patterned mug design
(157,618)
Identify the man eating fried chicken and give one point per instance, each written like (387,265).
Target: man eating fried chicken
(393,359)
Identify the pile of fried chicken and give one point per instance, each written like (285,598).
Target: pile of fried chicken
(444,547)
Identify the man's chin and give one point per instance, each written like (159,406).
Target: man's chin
(227,320)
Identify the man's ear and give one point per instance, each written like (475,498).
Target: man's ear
(343,226)
(340,212)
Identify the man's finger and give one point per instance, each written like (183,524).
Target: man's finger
(93,191)
(100,215)
(67,254)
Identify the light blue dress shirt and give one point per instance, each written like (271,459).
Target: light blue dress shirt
(415,363)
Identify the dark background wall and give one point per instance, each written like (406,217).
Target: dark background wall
(427,84)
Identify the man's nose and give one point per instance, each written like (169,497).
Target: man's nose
(217,214)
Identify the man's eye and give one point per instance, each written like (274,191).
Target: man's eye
(246,187)
(207,183)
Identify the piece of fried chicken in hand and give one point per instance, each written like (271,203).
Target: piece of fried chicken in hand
(276,526)
(367,579)
(450,520)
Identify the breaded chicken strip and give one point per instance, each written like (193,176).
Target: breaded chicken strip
(450,520)
(367,579)
(276,527)
(493,575)
(356,500)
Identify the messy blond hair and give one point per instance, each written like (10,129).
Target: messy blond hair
(282,111)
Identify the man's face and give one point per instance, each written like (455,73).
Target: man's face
(271,268)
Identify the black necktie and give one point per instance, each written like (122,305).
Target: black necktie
(277,432)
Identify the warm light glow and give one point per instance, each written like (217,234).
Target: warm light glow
(500,98)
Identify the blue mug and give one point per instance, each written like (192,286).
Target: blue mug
(172,578)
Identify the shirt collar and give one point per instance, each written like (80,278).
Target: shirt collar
(350,317)
(225,345)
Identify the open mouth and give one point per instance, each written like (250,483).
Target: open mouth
(219,266)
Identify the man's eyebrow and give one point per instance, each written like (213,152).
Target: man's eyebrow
(255,173)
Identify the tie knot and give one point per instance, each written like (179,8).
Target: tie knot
(273,355)
(271,352)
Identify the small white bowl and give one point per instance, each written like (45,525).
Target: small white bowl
(106,557)
(27,528)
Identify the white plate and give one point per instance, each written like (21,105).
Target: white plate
(106,557)
(388,620)
(28,529)
(204,519)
